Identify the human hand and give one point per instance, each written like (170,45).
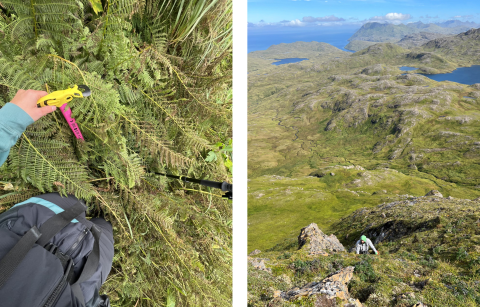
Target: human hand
(27,101)
(377,253)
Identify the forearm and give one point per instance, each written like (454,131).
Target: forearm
(373,247)
(13,122)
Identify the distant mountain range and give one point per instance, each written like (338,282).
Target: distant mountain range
(384,32)
(457,23)
(409,35)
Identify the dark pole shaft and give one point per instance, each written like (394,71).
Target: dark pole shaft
(224,186)
(212,184)
(185,179)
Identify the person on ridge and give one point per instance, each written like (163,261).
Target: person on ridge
(363,245)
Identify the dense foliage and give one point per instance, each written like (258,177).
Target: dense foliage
(160,76)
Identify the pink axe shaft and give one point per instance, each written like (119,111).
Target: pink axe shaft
(71,121)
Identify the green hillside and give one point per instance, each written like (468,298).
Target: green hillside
(328,137)
(463,48)
(429,256)
(356,45)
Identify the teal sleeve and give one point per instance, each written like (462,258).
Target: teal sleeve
(13,122)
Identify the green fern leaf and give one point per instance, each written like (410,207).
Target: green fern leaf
(96,6)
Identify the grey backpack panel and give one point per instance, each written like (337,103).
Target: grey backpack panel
(41,272)
(106,246)
(40,278)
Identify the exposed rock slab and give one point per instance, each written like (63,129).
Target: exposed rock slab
(318,243)
(259,264)
(327,290)
(255,252)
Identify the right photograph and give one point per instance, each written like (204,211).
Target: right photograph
(363,153)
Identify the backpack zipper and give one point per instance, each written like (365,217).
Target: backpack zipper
(54,296)
(52,299)
(77,242)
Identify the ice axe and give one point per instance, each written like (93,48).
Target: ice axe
(224,186)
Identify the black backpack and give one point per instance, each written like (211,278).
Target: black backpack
(51,255)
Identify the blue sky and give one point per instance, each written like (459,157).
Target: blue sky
(357,12)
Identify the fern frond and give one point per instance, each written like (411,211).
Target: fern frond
(146,138)
(39,163)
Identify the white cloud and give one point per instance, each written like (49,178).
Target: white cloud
(392,17)
(295,23)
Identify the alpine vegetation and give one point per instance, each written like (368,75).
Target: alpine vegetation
(160,79)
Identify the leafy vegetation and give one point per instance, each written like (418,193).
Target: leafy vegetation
(160,75)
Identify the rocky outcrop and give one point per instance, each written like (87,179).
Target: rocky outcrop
(255,252)
(396,229)
(434,193)
(259,264)
(418,39)
(318,243)
(326,291)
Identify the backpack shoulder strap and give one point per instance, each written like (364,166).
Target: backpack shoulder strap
(57,222)
(41,236)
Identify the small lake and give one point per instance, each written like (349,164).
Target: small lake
(406,68)
(288,61)
(464,75)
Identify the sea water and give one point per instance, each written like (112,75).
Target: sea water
(260,38)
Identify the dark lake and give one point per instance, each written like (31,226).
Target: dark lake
(406,68)
(288,61)
(464,75)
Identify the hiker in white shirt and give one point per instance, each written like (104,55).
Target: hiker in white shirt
(363,245)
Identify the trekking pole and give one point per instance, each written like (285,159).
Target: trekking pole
(224,186)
